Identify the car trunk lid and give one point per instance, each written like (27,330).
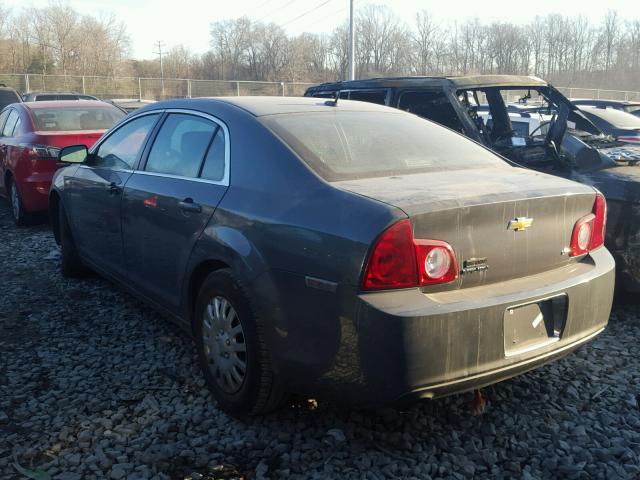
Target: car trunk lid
(65,138)
(477,212)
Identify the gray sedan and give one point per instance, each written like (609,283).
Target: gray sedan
(335,248)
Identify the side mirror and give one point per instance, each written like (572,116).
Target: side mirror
(73,154)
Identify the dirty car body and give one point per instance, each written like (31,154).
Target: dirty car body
(568,145)
(382,269)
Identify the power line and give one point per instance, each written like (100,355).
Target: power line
(263,4)
(320,5)
(333,13)
(259,7)
(276,10)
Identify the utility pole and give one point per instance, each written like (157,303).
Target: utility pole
(161,44)
(352,44)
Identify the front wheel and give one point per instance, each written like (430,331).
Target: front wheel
(231,348)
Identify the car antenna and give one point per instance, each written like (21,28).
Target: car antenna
(334,103)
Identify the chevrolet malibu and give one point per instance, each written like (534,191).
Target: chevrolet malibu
(335,248)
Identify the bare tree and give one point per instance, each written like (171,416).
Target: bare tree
(423,42)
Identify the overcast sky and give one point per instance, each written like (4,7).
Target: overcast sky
(187,21)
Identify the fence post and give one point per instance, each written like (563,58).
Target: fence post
(598,94)
(238,89)
(189,88)
(571,93)
(139,89)
(26,83)
(283,92)
(84,88)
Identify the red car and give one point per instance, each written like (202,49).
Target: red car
(32,134)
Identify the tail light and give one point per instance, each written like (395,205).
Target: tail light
(399,261)
(41,151)
(589,231)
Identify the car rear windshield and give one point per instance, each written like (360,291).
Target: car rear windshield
(69,119)
(8,96)
(349,145)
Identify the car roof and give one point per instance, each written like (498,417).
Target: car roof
(464,81)
(260,106)
(66,103)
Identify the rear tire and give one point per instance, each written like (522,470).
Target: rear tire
(71,265)
(231,348)
(20,216)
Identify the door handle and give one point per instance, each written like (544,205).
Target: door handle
(188,205)
(114,189)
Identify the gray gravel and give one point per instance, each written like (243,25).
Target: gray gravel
(93,384)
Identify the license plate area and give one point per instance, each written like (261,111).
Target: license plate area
(534,325)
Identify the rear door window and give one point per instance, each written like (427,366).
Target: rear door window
(215,162)
(10,125)
(180,146)
(3,118)
(433,106)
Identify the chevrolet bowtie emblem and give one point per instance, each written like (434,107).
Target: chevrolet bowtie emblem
(520,223)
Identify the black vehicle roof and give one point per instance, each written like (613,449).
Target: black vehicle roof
(468,81)
(259,106)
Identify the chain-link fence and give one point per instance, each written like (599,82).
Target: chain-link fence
(149,88)
(158,88)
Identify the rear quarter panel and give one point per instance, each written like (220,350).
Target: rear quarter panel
(279,224)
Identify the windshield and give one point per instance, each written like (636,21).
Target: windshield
(350,145)
(7,97)
(632,108)
(617,118)
(71,119)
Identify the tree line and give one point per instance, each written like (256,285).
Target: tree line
(58,40)
(568,51)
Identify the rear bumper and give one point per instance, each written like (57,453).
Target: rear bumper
(419,345)
(494,376)
(383,347)
(34,191)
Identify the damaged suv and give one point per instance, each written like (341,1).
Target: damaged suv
(533,124)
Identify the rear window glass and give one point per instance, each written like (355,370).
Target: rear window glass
(371,96)
(74,119)
(7,97)
(349,145)
(47,98)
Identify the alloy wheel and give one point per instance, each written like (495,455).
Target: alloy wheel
(224,345)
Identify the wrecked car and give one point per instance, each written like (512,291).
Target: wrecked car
(565,143)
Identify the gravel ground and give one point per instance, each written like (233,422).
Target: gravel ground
(95,385)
